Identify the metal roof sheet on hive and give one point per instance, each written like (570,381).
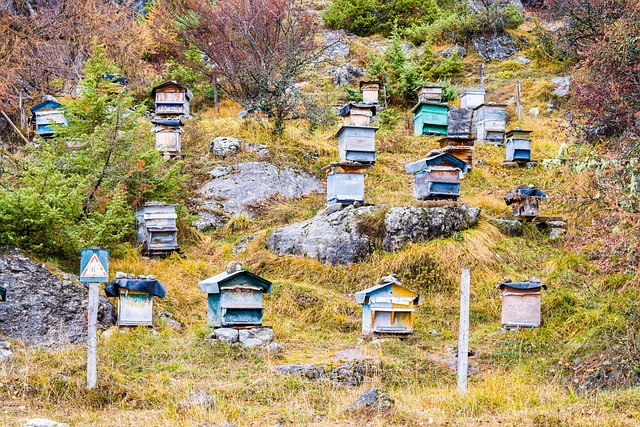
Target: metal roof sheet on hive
(434,158)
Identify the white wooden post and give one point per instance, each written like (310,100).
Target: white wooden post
(92,368)
(518,100)
(463,337)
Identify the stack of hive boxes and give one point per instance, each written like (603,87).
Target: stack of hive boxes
(356,148)
(430,115)
(171,102)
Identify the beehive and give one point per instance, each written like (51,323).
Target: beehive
(135,299)
(521,303)
(171,99)
(370,90)
(472,98)
(430,118)
(518,145)
(357,144)
(437,176)
(490,123)
(345,183)
(156,228)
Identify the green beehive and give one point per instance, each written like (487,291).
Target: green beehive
(430,118)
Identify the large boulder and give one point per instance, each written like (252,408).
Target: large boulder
(346,74)
(495,48)
(243,184)
(563,86)
(332,236)
(336,44)
(413,224)
(373,400)
(42,309)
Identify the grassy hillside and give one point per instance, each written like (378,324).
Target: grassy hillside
(527,378)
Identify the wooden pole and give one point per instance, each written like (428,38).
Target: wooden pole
(519,107)
(384,87)
(14,126)
(92,368)
(463,337)
(481,75)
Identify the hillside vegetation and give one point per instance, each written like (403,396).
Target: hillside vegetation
(580,368)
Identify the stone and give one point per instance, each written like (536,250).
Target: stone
(275,349)
(43,422)
(509,227)
(480,5)
(261,150)
(331,237)
(353,373)
(535,112)
(312,372)
(495,48)
(242,244)
(523,60)
(198,399)
(434,333)
(248,183)
(336,44)
(459,51)
(563,86)
(255,337)
(373,399)
(226,334)
(44,310)
(412,224)
(210,221)
(346,74)
(168,319)
(224,146)
(557,233)
(220,170)
(557,224)
(5,350)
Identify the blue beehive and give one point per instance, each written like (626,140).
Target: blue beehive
(45,114)
(357,144)
(430,118)
(518,144)
(345,182)
(437,176)
(235,297)
(388,307)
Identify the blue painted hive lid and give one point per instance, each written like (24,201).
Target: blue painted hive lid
(213,284)
(167,122)
(532,284)
(152,287)
(386,281)
(48,104)
(437,158)
(421,103)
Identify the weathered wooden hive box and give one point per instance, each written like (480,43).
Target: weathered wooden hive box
(429,94)
(521,303)
(3,294)
(156,228)
(459,147)
(459,122)
(235,299)
(357,144)
(472,98)
(437,176)
(525,201)
(135,299)
(355,114)
(168,132)
(430,118)
(171,98)
(518,145)
(388,307)
(370,90)
(45,114)
(345,183)
(490,122)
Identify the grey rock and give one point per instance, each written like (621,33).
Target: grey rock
(256,337)
(261,150)
(459,51)
(557,224)
(336,44)
(275,349)
(43,422)
(557,233)
(523,60)
(43,310)
(210,221)
(563,88)
(198,399)
(346,74)
(224,146)
(312,372)
(495,48)
(373,399)
(415,224)
(434,333)
(220,170)
(226,334)
(172,323)
(479,5)
(252,182)
(242,244)
(5,350)
(535,112)
(353,373)
(509,227)
(332,238)
(480,162)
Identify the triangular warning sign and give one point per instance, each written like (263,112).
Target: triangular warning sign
(94,268)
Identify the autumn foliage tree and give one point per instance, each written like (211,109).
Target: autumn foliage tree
(261,48)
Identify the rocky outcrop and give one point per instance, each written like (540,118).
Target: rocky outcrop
(249,338)
(479,5)
(416,224)
(42,309)
(345,74)
(331,236)
(198,399)
(563,86)
(495,48)
(224,146)
(459,51)
(235,187)
(336,44)
(373,400)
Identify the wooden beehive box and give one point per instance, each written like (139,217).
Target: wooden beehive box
(156,228)
(525,201)
(459,122)
(45,114)
(235,298)
(459,147)
(357,144)
(521,304)
(345,183)
(518,145)
(430,118)
(171,99)
(168,133)
(135,300)
(370,90)
(472,98)
(354,114)
(388,307)
(490,123)
(429,94)
(437,176)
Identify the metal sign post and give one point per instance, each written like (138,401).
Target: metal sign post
(463,337)
(94,268)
